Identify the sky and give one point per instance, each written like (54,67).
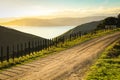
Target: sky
(58,8)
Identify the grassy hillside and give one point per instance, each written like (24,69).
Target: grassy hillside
(10,36)
(84,28)
(107,67)
(20,41)
(52,22)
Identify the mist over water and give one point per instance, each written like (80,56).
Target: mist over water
(43,31)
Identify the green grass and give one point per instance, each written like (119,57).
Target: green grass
(107,67)
(60,47)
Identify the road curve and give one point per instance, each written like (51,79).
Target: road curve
(62,65)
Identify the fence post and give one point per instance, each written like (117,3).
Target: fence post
(70,37)
(56,42)
(38,46)
(17,50)
(41,46)
(13,55)
(32,46)
(77,34)
(1,54)
(50,43)
(29,48)
(35,45)
(25,49)
(21,52)
(7,53)
(80,33)
(73,35)
(63,39)
(53,42)
(45,44)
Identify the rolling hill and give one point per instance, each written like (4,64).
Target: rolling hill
(84,28)
(20,40)
(52,22)
(10,36)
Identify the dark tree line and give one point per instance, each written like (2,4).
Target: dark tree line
(118,23)
(109,21)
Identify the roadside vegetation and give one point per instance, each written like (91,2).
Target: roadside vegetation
(107,67)
(107,26)
(54,49)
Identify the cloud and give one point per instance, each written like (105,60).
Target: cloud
(19,8)
(107,11)
(101,11)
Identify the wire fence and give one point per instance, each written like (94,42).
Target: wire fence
(27,48)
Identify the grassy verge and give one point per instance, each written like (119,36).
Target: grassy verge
(60,47)
(107,67)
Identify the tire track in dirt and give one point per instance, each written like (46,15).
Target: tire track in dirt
(61,65)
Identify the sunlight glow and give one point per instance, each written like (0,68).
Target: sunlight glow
(58,8)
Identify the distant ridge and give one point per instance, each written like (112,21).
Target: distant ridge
(52,22)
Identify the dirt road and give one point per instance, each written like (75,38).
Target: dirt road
(63,65)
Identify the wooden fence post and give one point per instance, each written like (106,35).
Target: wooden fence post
(63,39)
(13,55)
(32,46)
(80,33)
(45,44)
(38,45)
(77,34)
(35,46)
(42,44)
(29,48)
(21,51)
(1,54)
(25,48)
(50,43)
(8,55)
(70,37)
(53,42)
(73,35)
(17,52)
(56,42)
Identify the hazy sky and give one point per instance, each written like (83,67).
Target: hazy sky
(61,8)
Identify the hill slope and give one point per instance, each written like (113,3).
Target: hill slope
(52,22)
(87,27)
(9,36)
(20,41)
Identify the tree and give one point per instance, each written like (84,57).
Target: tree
(118,21)
(118,16)
(110,21)
(107,21)
(101,26)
